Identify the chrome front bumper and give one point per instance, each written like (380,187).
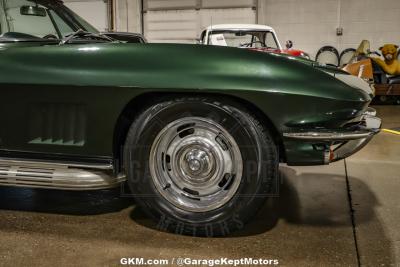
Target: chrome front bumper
(344,142)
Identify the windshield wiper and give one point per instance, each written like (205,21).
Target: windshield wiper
(84,34)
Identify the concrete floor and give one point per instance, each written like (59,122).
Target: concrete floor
(317,221)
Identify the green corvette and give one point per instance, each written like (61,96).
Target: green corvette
(197,132)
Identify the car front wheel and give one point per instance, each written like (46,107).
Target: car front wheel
(199,166)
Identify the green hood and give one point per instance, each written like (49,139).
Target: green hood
(174,66)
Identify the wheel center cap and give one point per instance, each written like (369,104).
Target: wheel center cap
(197,160)
(194,165)
(197,164)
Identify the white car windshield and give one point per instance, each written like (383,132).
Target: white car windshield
(243,39)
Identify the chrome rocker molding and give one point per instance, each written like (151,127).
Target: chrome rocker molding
(344,143)
(62,176)
(12,161)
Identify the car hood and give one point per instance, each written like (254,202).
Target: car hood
(339,74)
(173,66)
(354,82)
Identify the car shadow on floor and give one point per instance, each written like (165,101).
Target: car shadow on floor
(63,202)
(306,199)
(312,199)
(317,200)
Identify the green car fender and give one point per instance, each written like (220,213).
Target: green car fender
(105,78)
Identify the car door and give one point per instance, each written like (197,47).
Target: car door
(43,119)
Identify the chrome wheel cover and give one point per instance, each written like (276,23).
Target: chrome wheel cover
(195,164)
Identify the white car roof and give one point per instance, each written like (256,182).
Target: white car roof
(239,27)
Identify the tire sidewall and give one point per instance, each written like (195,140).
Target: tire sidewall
(256,182)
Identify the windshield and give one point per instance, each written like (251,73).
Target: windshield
(243,39)
(40,19)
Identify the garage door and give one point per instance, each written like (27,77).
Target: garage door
(183,20)
(93,11)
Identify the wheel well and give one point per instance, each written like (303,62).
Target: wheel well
(139,103)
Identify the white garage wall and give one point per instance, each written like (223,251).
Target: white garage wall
(185,26)
(183,21)
(93,11)
(312,24)
(377,21)
(127,17)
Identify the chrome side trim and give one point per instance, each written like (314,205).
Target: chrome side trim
(349,148)
(61,164)
(56,176)
(346,142)
(371,126)
(329,136)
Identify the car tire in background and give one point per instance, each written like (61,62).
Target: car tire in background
(200,166)
(346,56)
(328,55)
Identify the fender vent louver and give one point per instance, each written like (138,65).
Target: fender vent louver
(58,124)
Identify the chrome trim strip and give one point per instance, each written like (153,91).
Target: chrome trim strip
(81,187)
(57,175)
(329,136)
(372,126)
(349,148)
(59,164)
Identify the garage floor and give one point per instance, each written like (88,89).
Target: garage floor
(344,214)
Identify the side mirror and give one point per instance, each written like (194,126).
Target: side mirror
(33,11)
(289,44)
